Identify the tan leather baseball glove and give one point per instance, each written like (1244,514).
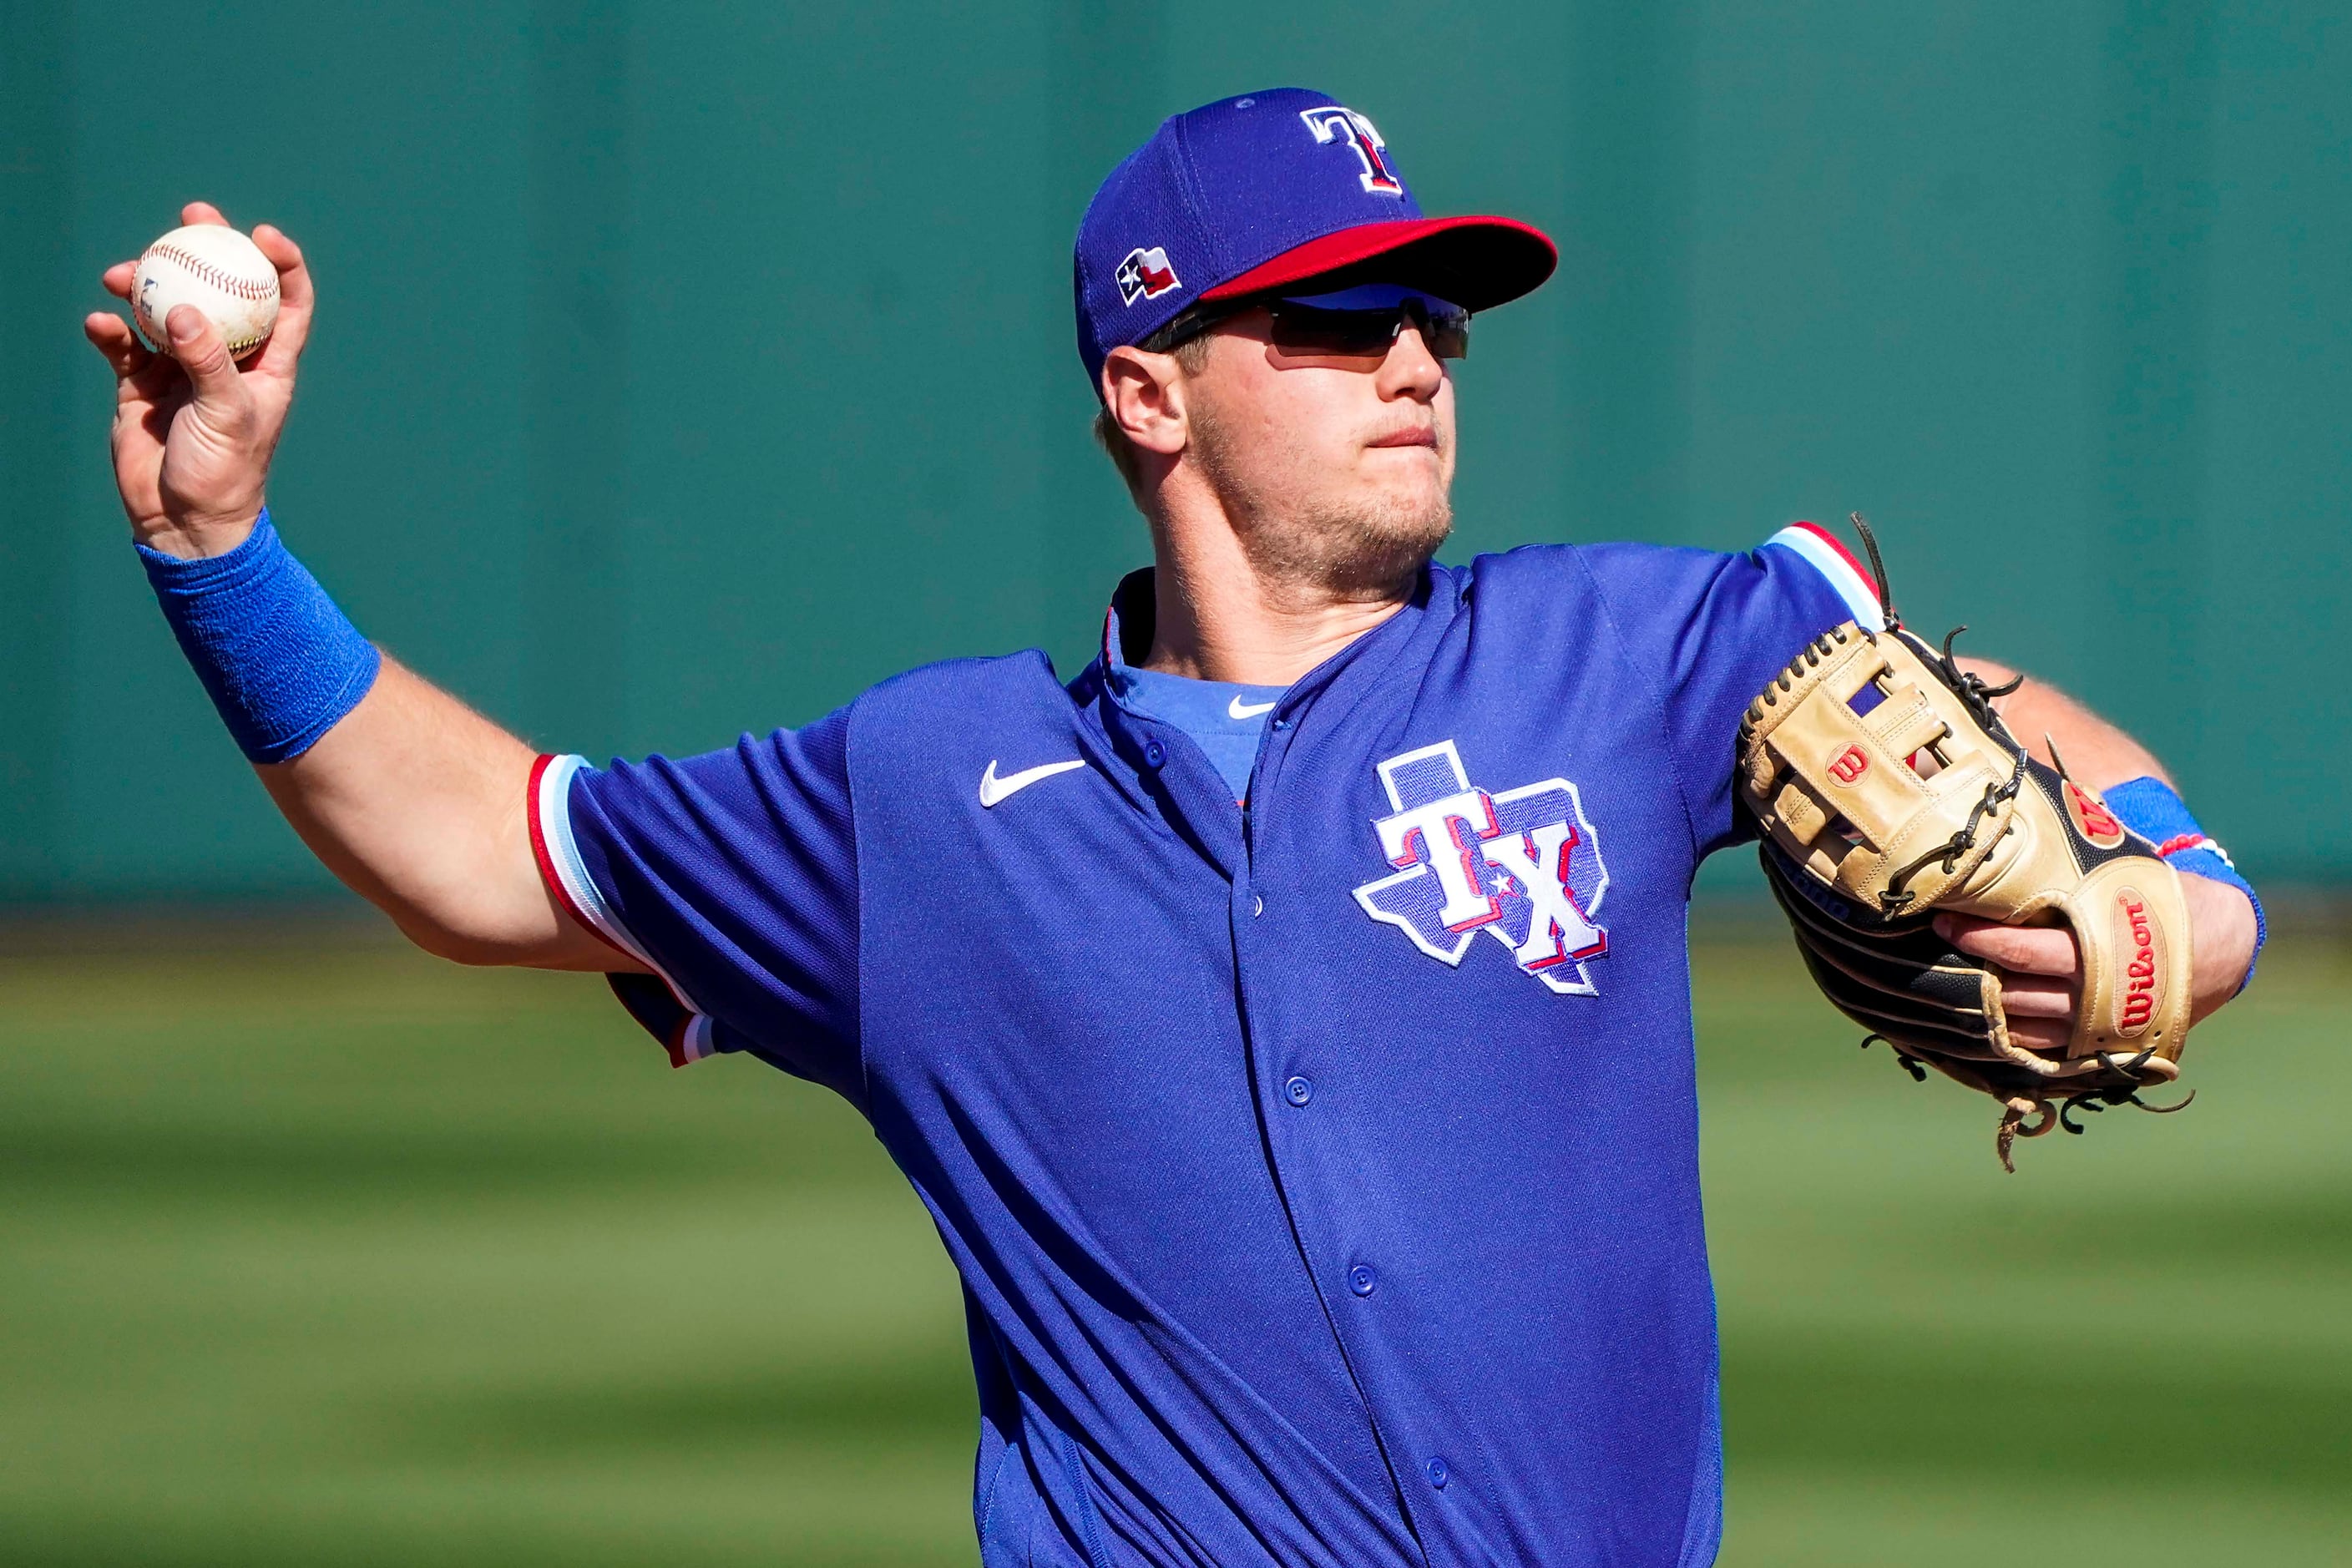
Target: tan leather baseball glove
(1888,789)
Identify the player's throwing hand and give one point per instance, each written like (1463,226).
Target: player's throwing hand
(193,432)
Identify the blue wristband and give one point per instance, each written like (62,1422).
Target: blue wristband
(278,659)
(2150,808)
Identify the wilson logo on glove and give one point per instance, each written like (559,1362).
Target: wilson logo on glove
(1850,766)
(2143,991)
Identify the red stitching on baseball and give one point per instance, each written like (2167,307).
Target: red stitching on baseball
(244,288)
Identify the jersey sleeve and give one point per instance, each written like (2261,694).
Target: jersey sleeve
(1712,629)
(733,877)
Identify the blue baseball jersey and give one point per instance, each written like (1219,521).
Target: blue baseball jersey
(1322,1172)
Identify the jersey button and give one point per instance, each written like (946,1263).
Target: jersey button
(1361,1279)
(1438,1473)
(1154,753)
(1298,1091)
(1258,905)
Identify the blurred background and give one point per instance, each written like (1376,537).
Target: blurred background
(682,370)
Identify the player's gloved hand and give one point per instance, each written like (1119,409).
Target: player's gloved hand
(2040,967)
(193,431)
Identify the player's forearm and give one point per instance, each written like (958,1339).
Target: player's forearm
(418,804)
(2095,751)
(2225,920)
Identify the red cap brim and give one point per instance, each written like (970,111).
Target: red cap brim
(1477,263)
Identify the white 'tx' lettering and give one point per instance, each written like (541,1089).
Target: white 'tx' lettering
(1449,829)
(1539,861)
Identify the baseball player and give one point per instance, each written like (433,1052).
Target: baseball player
(1286,1019)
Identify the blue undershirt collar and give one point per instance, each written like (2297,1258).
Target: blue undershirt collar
(1225,718)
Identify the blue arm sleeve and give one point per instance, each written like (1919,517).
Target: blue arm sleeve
(734,876)
(1711,629)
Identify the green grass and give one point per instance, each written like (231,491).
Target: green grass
(324,1253)
(2137,1350)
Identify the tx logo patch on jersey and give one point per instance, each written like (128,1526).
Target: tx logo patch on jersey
(1522,866)
(1145,275)
(1332,123)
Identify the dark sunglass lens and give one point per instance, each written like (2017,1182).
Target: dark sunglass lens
(1312,330)
(1448,334)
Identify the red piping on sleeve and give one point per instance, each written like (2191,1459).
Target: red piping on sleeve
(1834,542)
(547,872)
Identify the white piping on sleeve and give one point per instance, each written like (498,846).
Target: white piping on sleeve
(580,890)
(1824,557)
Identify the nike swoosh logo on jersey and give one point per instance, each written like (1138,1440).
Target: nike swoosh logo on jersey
(993,789)
(1241,710)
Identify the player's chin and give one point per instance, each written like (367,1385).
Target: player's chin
(1396,532)
(1406,478)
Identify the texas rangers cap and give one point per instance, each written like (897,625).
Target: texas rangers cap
(1250,194)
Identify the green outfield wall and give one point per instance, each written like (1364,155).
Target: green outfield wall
(681,370)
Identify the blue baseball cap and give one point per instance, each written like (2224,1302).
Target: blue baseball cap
(1249,194)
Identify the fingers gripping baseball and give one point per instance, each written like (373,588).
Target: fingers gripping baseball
(194,430)
(204,358)
(295,302)
(214,466)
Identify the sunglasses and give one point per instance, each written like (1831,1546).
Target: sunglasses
(1354,323)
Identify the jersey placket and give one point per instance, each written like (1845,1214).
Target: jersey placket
(1191,795)
(1198,806)
(1286,1054)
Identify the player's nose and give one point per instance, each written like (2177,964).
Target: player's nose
(1411,370)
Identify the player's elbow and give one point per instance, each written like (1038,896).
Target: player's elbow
(469,925)
(467,948)
(458,942)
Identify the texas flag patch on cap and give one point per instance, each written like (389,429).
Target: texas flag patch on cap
(1145,275)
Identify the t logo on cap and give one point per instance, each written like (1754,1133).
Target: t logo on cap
(1250,195)
(1332,123)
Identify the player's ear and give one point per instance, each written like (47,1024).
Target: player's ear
(1144,394)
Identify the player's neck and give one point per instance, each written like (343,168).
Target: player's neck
(1217,617)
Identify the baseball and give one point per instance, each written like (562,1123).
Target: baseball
(216,269)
